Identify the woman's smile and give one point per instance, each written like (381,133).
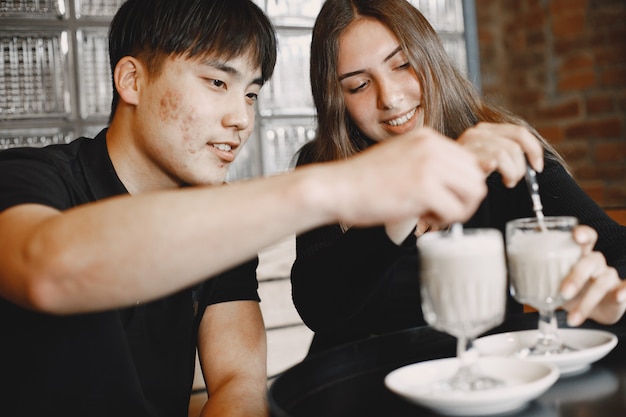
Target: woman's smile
(402,119)
(402,124)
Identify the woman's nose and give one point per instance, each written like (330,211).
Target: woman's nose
(389,95)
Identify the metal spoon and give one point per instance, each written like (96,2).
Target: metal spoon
(533,188)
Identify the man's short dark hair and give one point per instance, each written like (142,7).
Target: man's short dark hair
(152,30)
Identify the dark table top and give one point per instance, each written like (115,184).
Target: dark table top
(349,380)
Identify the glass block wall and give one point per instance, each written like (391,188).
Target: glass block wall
(54,70)
(55,82)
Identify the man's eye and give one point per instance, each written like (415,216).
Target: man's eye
(218,83)
(252,96)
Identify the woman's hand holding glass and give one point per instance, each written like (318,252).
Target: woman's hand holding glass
(593,289)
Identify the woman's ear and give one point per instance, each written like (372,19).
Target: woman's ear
(126,79)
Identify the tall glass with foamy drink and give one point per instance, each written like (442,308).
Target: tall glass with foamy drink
(463,289)
(463,280)
(540,255)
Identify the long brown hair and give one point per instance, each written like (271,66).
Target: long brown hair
(450,101)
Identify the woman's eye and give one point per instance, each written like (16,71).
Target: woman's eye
(218,83)
(404,66)
(357,88)
(252,96)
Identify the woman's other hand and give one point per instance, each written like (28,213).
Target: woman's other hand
(593,289)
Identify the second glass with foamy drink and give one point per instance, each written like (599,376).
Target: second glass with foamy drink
(539,260)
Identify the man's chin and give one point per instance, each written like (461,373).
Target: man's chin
(212,178)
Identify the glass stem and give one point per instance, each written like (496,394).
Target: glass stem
(468,355)
(467,378)
(548,334)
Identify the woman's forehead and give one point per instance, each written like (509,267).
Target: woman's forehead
(365,40)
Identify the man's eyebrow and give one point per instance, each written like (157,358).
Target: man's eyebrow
(229,69)
(387,58)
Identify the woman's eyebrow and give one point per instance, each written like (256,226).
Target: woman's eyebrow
(394,52)
(387,58)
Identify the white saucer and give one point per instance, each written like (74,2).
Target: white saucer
(524,381)
(592,344)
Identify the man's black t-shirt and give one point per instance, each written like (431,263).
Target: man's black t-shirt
(136,361)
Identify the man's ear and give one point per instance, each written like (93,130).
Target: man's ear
(126,79)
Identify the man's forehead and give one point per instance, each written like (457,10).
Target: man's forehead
(244,62)
(249,58)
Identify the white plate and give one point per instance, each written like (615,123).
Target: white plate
(524,381)
(592,344)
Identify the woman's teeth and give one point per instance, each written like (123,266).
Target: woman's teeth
(222,147)
(402,120)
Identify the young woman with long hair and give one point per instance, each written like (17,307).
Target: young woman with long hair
(379,70)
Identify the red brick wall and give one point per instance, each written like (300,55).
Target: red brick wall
(561,64)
